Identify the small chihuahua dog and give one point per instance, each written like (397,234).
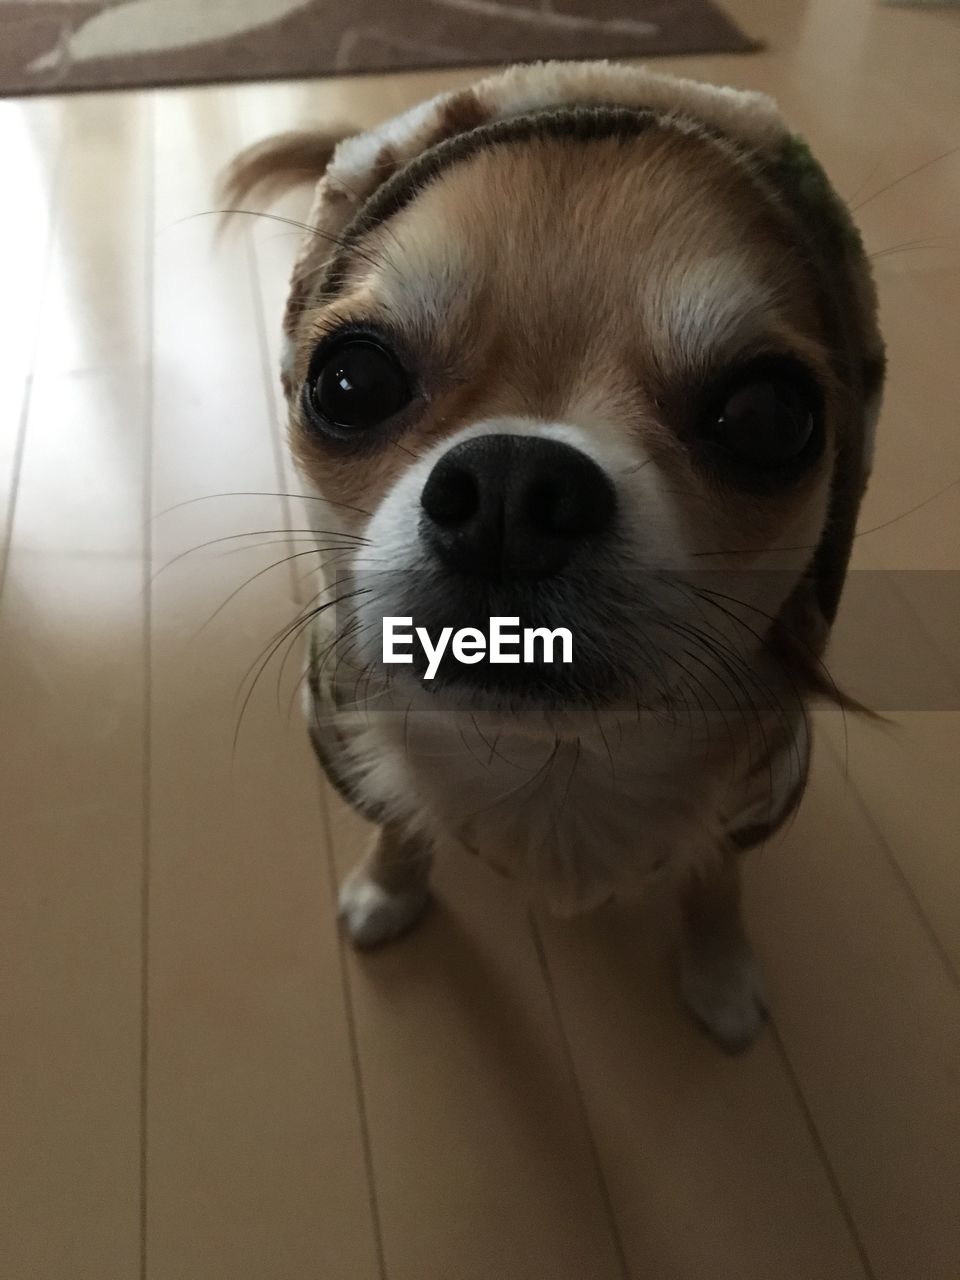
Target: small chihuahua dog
(589,347)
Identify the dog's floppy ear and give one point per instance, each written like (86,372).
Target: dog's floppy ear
(269,169)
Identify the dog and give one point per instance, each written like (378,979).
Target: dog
(591,347)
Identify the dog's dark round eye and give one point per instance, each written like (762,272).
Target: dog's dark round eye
(358,385)
(767,419)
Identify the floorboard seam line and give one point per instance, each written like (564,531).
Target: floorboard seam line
(605,1196)
(6,534)
(276,432)
(359,1091)
(298,594)
(822,1153)
(146,796)
(276,437)
(20,443)
(903,880)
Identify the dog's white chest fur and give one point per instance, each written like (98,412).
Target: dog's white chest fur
(579,819)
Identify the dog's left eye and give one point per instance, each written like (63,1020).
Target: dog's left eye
(357,385)
(767,417)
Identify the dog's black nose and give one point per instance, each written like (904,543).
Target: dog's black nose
(502,506)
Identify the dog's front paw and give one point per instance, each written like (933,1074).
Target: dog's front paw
(371,915)
(726,997)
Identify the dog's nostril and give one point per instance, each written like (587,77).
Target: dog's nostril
(502,506)
(577,503)
(451,495)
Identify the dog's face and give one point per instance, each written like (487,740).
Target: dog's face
(586,383)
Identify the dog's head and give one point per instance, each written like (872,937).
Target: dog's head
(594,348)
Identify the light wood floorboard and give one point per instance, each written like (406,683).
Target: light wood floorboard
(199,1079)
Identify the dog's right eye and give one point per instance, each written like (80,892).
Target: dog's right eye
(764,423)
(355,386)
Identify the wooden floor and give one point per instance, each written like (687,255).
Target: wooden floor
(198,1081)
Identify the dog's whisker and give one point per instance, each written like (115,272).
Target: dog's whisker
(298,623)
(233,537)
(351,616)
(927,164)
(260,493)
(297,555)
(285,541)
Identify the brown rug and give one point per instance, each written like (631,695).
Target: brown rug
(54,45)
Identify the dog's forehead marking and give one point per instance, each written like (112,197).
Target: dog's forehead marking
(421,274)
(717,306)
(588,250)
(355,172)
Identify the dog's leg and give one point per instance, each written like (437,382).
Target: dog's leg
(718,973)
(388,891)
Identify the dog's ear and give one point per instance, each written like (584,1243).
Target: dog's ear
(269,169)
(265,172)
(797,640)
